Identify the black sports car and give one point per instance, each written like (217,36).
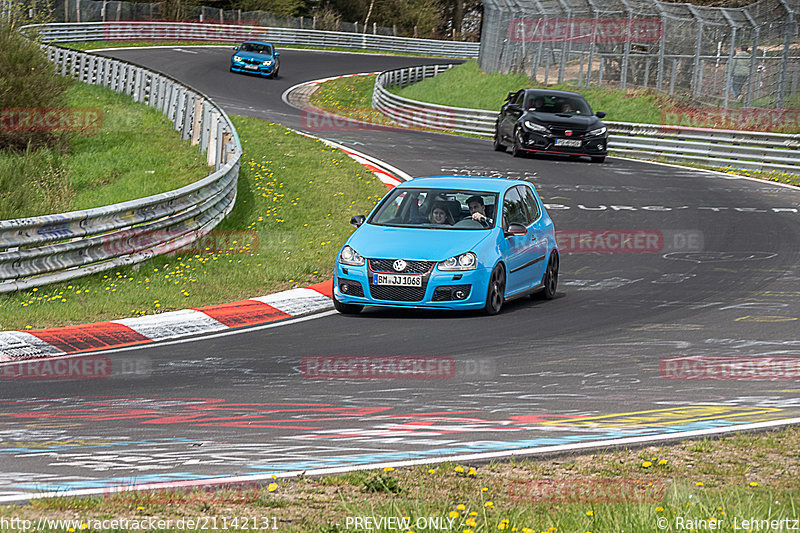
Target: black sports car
(548,121)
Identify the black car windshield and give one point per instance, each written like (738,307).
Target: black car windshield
(435,209)
(557,103)
(257,48)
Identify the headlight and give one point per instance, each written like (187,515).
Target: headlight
(467,261)
(598,131)
(536,127)
(268,62)
(348,256)
(237,58)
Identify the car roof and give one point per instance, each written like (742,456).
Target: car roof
(470,183)
(553,92)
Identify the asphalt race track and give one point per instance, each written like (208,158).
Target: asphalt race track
(712,274)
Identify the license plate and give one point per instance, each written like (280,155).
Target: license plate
(571,143)
(397,280)
(251,67)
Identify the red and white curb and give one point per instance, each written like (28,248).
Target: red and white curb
(39,343)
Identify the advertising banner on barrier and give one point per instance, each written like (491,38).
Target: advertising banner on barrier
(586,30)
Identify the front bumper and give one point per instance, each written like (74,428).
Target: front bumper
(441,290)
(264,70)
(543,142)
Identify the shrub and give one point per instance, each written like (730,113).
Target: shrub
(27,80)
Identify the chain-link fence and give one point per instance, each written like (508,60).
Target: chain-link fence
(748,56)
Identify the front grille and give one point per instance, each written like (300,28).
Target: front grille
(559,132)
(414,267)
(398,294)
(253,61)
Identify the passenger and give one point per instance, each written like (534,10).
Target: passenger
(440,215)
(567,107)
(477,210)
(537,104)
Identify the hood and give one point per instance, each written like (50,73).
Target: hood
(578,122)
(419,244)
(253,55)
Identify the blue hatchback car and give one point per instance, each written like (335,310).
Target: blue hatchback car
(449,242)
(256,57)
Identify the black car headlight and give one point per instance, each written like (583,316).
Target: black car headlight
(538,128)
(467,261)
(350,257)
(598,131)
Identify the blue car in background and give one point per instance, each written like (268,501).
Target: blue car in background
(449,242)
(256,57)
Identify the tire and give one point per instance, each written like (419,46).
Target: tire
(496,144)
(495,294)
(599,159)
(550,279)
(347,309)
(516,148)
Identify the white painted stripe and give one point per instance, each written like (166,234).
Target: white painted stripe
(20,344)
(464,458)
(297,301)
(172,325)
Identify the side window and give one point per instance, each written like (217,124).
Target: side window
(514,209)
(530,202)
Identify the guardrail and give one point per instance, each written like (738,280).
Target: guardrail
(718,148)
(228,33)
(39,250)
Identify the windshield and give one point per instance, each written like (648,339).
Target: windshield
(557,103)
(257,48)
(436,209)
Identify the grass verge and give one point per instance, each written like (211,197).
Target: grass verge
(352,97)
(133,153)
(295,199)
(694,485)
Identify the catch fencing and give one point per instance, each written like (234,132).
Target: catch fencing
(226,33)
(675,48)
(705,146)
(35,251)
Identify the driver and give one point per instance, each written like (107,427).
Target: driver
(477,210)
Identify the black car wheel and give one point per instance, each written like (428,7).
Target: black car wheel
(347,309)
(498,146)
(550,280)
(599,159)
(516,146)
(495,294)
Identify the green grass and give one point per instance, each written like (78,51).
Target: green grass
(657,488)
(295,200)
(135,153)
(468,86)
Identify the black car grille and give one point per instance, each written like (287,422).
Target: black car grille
(561,132)
(448,292)
(398,294)
(414,267)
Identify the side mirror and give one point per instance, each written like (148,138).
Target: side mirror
(600,114)
(515,230)
(235,47)
(357,220)
(277,54)
(510,94)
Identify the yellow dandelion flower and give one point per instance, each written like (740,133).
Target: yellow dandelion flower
(460,507)
(453,514)
(647,464)
(699,483)
(272,487)
(489,505)
(459,469)
(589,513)
(753,484)
(388,469)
